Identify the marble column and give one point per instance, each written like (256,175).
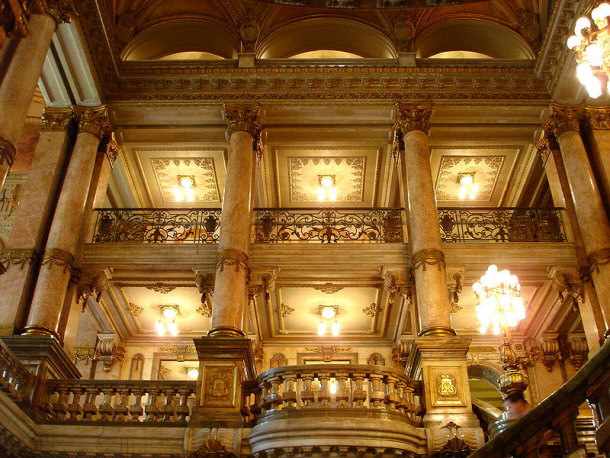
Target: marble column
(62,243)
(598,121)
(563,123)
(21,77)
(234,241)
(424,237)
(32,218)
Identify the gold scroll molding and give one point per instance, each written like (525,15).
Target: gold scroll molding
(598,259)
(58,257)
(92,120)
(59,10)
(428,257)
(598,118)
(230,258)
(242,118)
(56,119)
(19,257)
(563,119)
(413,117)
(7,152)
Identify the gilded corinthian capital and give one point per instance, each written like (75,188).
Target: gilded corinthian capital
(413,117)
(60,10)
(598,118)
(562,119)
(92,120)
(242,118)
(56,119)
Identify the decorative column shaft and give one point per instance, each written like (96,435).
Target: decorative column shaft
(22,73)
(598,120)
(233,244)
(58,258)
(563,122)
(424,238)
(32,217)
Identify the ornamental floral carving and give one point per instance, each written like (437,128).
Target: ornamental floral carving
(413,117)
(284,310)
(242,118)
(135,309)
(56,119)
(563,119)
(598,118)
(328,288)
(371,310)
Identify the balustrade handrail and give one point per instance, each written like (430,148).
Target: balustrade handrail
(14,376)
(557,411)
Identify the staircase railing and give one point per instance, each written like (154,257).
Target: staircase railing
(558,413)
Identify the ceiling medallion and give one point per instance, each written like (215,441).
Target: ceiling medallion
(328,288)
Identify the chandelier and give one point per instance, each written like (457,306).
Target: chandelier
(591,44)
(500,304)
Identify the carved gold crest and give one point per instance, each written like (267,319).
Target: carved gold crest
(446,385)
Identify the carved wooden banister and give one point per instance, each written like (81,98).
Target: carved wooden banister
(558,412)
(334,386)
(83,401)
(14,377)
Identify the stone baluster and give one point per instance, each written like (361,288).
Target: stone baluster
(166,411)
(105,409)
(62,242)
(234,240)
(22,73)
(307,393)
(152,408)
(121,410)
(182,410)
(377,396)
(74,408)
(324,394)
(136,410)
(274,399)
(289,395)
(89,408)
(359,395)
(265,387)
(563,123)
(60,408)
(401,403)
(427,258)
(392,399)
(342,396)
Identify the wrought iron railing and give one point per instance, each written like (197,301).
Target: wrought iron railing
(164,402)
(326,225)
(148,225)
(507,224)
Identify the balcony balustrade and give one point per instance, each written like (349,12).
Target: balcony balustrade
(329,225)
(14,377)
(120,401)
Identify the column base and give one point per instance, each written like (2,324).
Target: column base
(226,331)
(40,331)
(437,331)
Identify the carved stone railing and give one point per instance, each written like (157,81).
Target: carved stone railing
(558,412)
(120,401)
(501,224)
(148,225)
(291,405)
(326,225)
(14,377)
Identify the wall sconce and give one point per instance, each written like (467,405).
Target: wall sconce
(328,312)
(185,189)
(167,321)
(328,187)
(467,186)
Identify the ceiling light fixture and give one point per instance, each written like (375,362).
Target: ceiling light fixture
(185,189)
(328,188)
(591,44)
(192,372)
(467,186)
(167,321)
(328,312)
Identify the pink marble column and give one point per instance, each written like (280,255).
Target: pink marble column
(32,218)
(21,77)
(62,243)
(563,123)
(234,241)
(598,120)
(424,235)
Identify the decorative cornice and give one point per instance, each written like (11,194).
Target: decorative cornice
(428,257)
(59,10)
(242,118)
(92,120)
(58,257)
(7,152)
(56,119)
(563,119)
(598,259)
(229,258)
(17,256)
(413,117)
(598,118)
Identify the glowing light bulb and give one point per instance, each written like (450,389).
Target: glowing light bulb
(192,372)
(336,328)
(332,194)
(321,329)
(582,23)
(186,182)
(177,194)
(466,180)
(573,42)
(333,387)
(595,55)
(320,194)
(600,14)
(169,313)
(173,328)
(160,328)
(472,196)
(594,87)
(327,181)
(328,312)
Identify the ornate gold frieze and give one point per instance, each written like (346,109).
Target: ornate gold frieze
(230,258)
(57,257)
(60,10)
(56,119)
(413,117)
(428,257)
(7,152)
(92,120)
(598,259)
(563,119)
(17,256)
(242,118)
(598,118)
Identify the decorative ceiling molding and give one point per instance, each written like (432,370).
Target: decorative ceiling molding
(167,171)
(486,171)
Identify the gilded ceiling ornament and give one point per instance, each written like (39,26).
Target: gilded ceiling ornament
(249,29)
(242,118)
(598,118)
(92,120)
(56,119)
(487,168)
(284,310)
(7,152)
(160,287)
(563,119)
(328,288)
(110,147)
(205,310)
(371,310)
(428,257)
(413,117)
(134,309)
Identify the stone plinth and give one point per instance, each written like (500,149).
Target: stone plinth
(224,364)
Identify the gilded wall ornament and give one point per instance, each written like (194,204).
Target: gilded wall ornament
(212,448)
(328,288)
(563,119)
(371,310)
(598,118)
(284,310)
(218,383)
(205,309)
(231,258)
(56,119)
(242,118)
(135,309)
(446,385)
(17,256)
(57,257)
(428,257)
(413,117)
